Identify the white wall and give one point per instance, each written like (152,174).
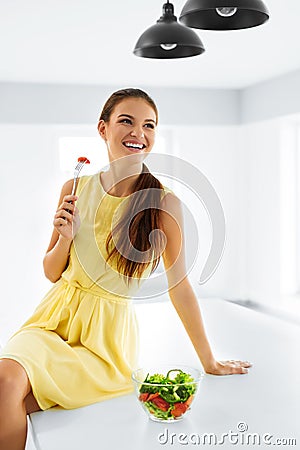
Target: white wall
(243,164)
(215,152)
(78,104)
(289,206)
(260,148)
(274,98)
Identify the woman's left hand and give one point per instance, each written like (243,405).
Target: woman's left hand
(228,367)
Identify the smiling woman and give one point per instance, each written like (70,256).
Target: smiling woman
(80,345)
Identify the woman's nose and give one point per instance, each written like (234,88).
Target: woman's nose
(138,132)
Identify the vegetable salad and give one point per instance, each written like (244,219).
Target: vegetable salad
(168,397)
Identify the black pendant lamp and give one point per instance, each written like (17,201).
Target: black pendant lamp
(168,39)
(223,14)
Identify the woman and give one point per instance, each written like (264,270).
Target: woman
(79,347)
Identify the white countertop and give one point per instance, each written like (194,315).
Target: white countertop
(266,400)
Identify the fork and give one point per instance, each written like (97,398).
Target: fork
(82,160)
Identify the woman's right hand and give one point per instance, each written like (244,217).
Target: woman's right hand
(66,220)
(228,367)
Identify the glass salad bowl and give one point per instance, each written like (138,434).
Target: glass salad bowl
(166,393)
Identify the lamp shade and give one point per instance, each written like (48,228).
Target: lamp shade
(168,39)
(223,14)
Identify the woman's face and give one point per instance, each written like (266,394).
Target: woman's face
(130,129)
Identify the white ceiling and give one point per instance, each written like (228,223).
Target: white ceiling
(91,42)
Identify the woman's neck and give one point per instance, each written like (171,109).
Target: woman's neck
(120,178)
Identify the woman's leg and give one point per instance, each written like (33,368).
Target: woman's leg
(14,388)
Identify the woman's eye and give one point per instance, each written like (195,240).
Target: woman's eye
(149,125)
(125,121)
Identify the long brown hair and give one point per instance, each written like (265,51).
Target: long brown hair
(138,221)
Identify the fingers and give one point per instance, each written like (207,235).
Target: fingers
(239,369)
(63,217)
(245,363)
(68,203)
(70,198)
(63,214)
(66,211)
(236,366)
(239,362)
(58,222)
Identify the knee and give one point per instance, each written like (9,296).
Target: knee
(14,383)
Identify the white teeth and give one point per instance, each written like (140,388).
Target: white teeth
(129,144)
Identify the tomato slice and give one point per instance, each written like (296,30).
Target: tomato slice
(144,396)
(161,403)
(151,396)
(179,409)
(189,400)
(83,159)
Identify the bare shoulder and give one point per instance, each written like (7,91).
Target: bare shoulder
(67,187)
(171,209)
(170,202)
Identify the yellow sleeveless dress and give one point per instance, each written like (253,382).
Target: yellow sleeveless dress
(81,343)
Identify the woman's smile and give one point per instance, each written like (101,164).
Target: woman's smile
(134,145)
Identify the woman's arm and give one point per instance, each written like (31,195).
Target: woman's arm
(181,293)
(66,225)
